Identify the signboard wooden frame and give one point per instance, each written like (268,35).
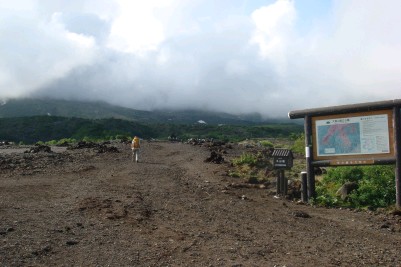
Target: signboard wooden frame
(355,158)
(347,156)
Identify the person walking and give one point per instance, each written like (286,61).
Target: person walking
(135,146)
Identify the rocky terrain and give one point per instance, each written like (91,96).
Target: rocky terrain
(90,205)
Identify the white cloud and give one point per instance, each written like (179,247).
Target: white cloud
(21,5)
(35,52)
(236,67)
(236,56)
(273,27)
(356,58)
(137,28)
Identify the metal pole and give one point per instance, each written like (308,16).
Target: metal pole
(397,151)
(309,157)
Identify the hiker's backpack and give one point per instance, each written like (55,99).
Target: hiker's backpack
(135,143)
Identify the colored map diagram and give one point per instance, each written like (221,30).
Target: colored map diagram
(353,135)
(339,139)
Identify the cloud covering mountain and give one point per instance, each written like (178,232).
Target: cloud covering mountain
(235,56)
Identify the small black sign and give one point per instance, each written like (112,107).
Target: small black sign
(282,159)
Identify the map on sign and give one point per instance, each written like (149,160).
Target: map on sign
(353,135)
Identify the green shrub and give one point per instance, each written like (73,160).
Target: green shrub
(234,174)
(250,167)
(66,141)
(266,143)
(299,143)
(377,189)
(376,186)
(245,159)
(62,141)
(326,200)
(340,175)
(122,137)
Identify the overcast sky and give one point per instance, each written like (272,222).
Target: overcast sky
(236,56)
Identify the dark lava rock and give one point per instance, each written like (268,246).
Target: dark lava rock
(71,242)
(215,158)
(99,148)
(301,214)
(39,148)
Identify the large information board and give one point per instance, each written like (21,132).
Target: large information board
(356,135)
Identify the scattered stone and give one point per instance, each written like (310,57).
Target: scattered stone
(71,242)
(98,147)
(39,148)
(346,189)
(294,189)
(385,226)
(106,149)
(301,214)
(319,171)
(215,158)
(173,138)
(46,249)
(396,212)
(7,230)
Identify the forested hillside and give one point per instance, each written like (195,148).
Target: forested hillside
(47,128)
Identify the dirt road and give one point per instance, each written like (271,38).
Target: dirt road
(84,208)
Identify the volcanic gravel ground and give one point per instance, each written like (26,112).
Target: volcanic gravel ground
(88,207)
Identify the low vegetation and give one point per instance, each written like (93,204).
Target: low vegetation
(374,187)
(30,130)
(251,167)
(299,143)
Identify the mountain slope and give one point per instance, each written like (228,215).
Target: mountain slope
(100,110)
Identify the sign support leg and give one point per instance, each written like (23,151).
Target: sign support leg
(397,151)
(309,157)
(304,187)
(278,183)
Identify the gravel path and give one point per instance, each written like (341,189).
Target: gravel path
(83,208)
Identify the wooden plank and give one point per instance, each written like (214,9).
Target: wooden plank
(344,109)
(351,162)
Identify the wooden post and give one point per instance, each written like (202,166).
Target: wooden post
(309,157)
(304,187)
(278,183)
(282,183)
(281,186)
(285,183)
(397,152)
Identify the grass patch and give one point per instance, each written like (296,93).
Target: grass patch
(375,187)
(251,167)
